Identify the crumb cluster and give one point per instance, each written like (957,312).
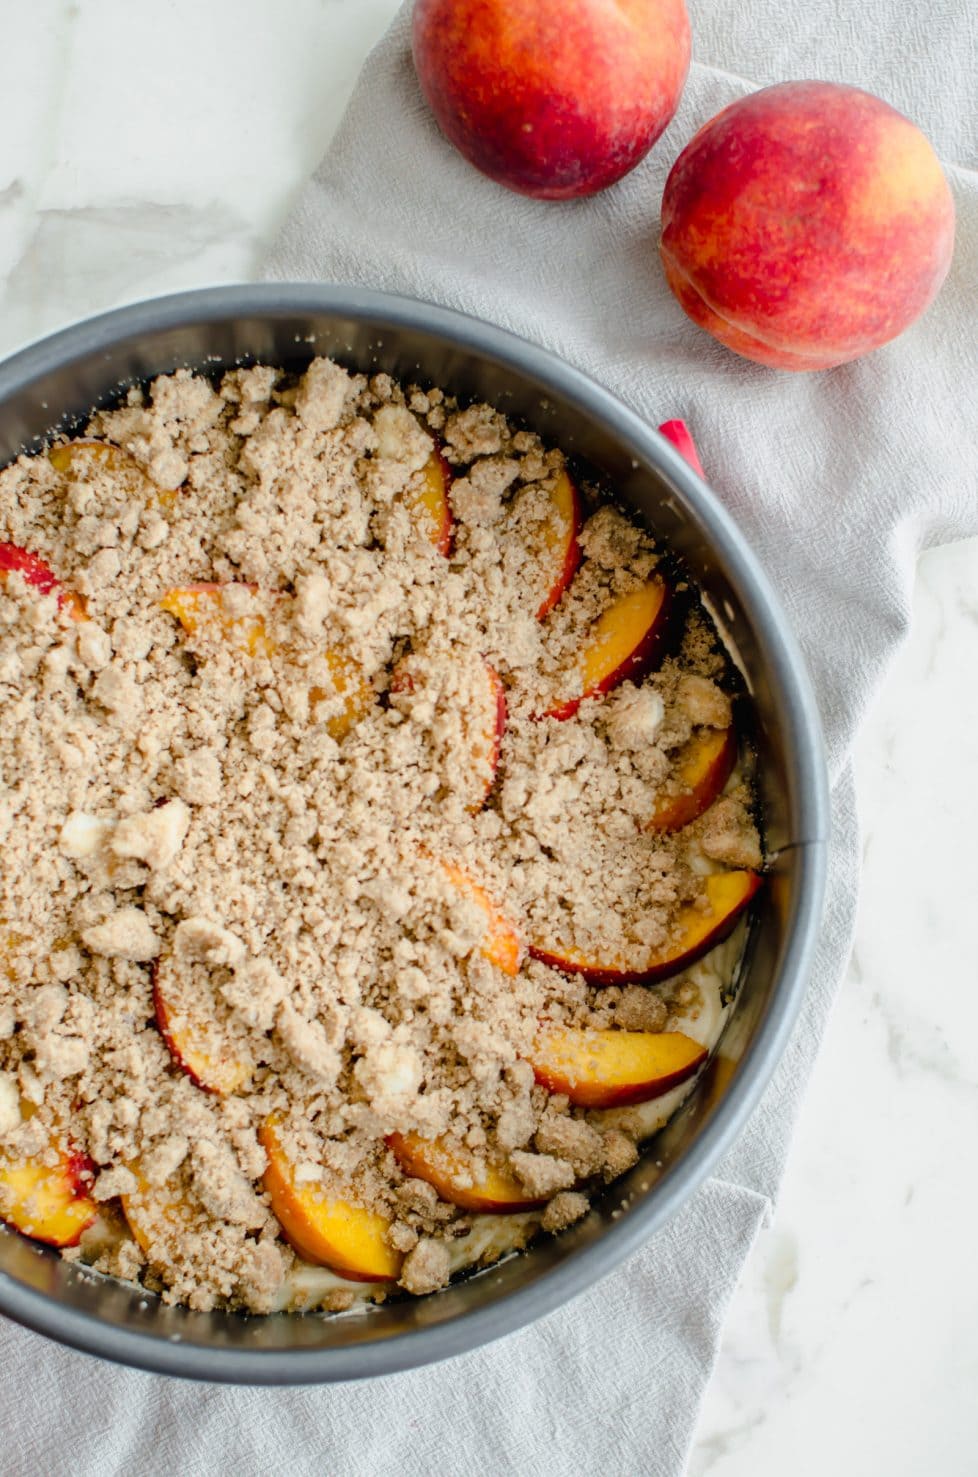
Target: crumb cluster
(244,807)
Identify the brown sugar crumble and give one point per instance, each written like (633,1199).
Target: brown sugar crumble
(262,772)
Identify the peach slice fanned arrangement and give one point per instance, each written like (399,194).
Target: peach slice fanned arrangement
(592,1069)
(612,1069)
(696,930)
(442,986)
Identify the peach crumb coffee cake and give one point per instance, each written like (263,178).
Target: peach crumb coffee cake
(376,837)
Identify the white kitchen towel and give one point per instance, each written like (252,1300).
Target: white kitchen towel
(838,480)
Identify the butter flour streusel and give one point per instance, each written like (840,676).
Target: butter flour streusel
(248,782)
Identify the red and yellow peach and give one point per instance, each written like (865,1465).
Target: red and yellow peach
(806,224)
(549,99)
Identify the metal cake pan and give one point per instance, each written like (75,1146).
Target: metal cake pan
(53,385)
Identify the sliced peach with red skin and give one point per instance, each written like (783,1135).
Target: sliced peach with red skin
(210,608)
(497,1192)
(678,434)
(561,528)
(703,767)
(14,559)
(610,1069)
(624,643)
(501,944)
(696,931)
(194,1046)
(324,1229)
(48,1202)
(429,501)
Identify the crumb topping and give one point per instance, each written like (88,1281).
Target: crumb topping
(254,803)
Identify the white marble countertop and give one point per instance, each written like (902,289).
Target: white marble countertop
(147,149)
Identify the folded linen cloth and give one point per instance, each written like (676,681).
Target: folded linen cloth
(838,480)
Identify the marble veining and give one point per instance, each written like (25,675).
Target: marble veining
(852,1342)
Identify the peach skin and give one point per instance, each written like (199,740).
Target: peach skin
(611,1069)
(704,765)
(194,1045)
(806,224)
(48,1201)
(550,99)
(15,560)
(697,930)
(624,643)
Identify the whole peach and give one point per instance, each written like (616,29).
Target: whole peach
(549,98)
(806,224)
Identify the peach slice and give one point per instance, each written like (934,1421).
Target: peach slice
(625,642)
(497,1193)
(209,608)
(703,768)
(561,527)
(696,931)
(73,456)
(678,433)
(325,1229)
(76,458)
(194,1045)
(155,1213)
(610,1069)
(14,559)
(48,1202)
(501,943)
(352,687)
(429,502)
(11,941)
